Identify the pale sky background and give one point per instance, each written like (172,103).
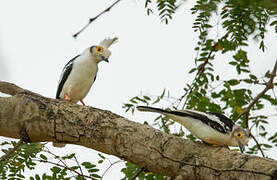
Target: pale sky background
(36,42)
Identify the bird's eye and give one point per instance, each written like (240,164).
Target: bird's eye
(99,49)
(239,135)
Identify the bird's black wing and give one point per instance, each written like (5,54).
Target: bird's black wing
(66,71)
(217,125)
(94,78)
(228,123)
(217,121)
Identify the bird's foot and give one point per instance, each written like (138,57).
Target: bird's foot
(82,102)
(66,97)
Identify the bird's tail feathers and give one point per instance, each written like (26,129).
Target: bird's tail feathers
(171,114)
(108,42)
(152,109)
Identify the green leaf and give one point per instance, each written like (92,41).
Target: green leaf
(147,98)
(156,101)
(37,177)
(270,99)
(55,169)
(93,170)
(162,94)
(101,156)
(88,165)
(248,81)
(252,76)
(20,175)
(100,161)
(43,157)
(192,70)
(74,167)
(267,146)
(233,82)
(273,23)
(95,175)
(71,156)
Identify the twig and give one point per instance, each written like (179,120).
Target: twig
(64,166)
(200,71)
(11,151)
(111,164)
(258,144)
(138,173)
(93,19)
(63,162)
(269,85)
(78,165)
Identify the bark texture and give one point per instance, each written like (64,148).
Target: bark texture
(45,119)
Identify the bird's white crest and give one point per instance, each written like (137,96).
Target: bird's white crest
(108,42)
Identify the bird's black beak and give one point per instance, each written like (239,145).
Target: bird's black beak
(105,59)
(241,147)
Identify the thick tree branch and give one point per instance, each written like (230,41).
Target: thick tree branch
(53,120)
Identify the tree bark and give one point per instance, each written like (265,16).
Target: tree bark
(45,119)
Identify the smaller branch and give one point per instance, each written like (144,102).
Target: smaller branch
(11,151)
(93,19)
(269,85)
(111,164)
(200,71)
(274,94)
(66,167)
(258,144)
(78,165)
(60,160)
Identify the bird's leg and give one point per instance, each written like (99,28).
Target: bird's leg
(81,100)
(66,97)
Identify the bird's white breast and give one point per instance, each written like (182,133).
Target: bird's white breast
(80,78)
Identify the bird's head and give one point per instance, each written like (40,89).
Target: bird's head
(102,52)
(240,136)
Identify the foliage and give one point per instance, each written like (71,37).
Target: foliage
(13,167)
(62,167)
(131,171)
(166,8)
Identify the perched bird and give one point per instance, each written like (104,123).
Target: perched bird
(80,72)
(212,128)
